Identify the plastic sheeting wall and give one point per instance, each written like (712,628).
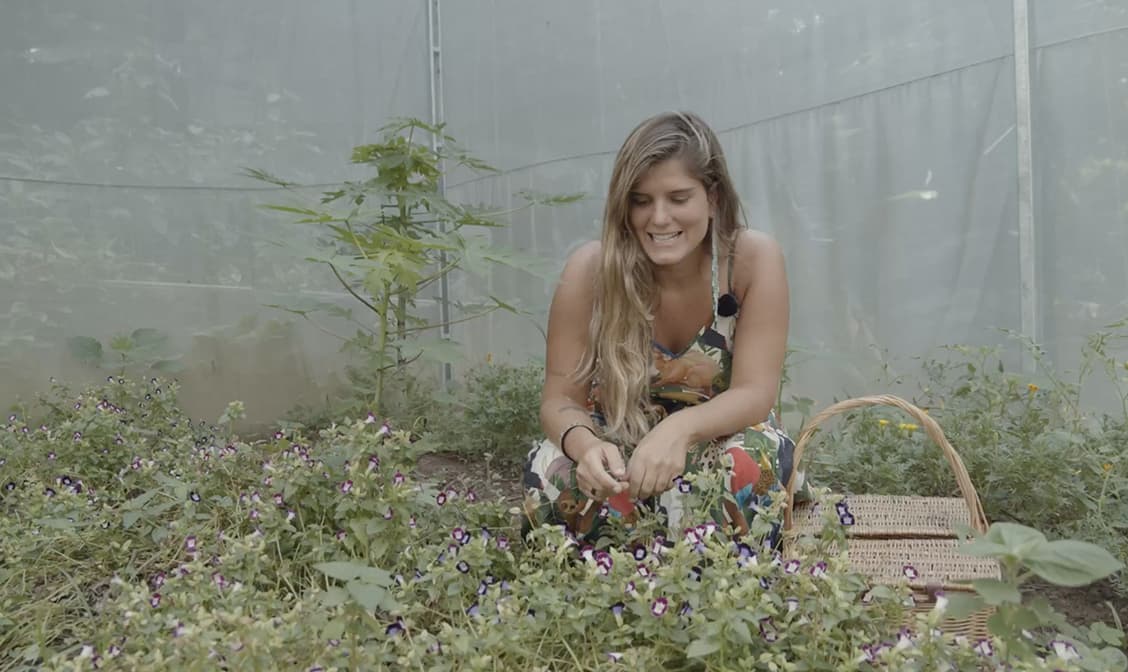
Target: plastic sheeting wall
(875,139)
(132,123)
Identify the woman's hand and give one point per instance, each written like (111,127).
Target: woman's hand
(600,470)
(658,459)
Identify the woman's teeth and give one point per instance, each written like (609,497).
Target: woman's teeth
(661,238)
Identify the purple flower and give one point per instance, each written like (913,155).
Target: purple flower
(630,589)
(617,608)
(278,436)
(219,580)
(473,610)
(604,511)
(643,570)
(51,455)
(659,606)
(984,648)
(346,487)
(441,498)
(457,534)
(10,486)
(155,600)
(398,478)
(194,496)
(684,487)
(604,562)
(502,543)
(373,462)
(792,604)
(190,544)
(158,580)
(910,572)
(846,519)
(462,566)
(695,574)
(290,515)
(482,588)
(114,651)
(395,629)
(614,657)
(278,501)
(768,630)
(639,553)
(1064,650)
(341,534)
(819,570)
(792,567)
(471,496)
(178,630)
(50,492)
(370,419)
(745,555)
(411,522)
(389,514)
(254,514)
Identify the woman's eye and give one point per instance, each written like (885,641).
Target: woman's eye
(680,199)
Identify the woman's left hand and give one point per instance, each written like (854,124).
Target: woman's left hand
(658,459)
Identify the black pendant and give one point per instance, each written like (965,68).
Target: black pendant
(727,305)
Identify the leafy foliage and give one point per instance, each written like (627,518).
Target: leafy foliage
(133,537)
(390,240)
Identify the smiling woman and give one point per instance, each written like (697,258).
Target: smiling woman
(651,372)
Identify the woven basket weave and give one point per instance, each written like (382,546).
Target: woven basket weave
(890,533)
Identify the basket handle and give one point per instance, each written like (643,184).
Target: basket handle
(967,489)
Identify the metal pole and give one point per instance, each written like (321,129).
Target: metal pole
(438,115)
(1027,249)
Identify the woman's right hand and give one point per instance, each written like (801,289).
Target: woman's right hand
(600,470)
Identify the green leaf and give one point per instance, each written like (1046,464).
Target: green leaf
(130,518)
(367,595)
(334,597)
(1019,540)
(1072,563)
(962,605)
(334,629)
(996,592)
(348,571)
(699,648)
(981,548)
(85,349)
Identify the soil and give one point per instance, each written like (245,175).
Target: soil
(1081,606)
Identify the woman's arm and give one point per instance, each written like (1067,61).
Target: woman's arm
(563,398)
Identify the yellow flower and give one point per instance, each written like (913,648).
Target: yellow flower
(1032,387)
(908,427)
(1107,467)
(883,422)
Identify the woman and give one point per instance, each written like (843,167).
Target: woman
(655,369)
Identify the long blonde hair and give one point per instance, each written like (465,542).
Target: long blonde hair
(622,329)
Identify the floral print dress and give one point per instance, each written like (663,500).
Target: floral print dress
(757,461)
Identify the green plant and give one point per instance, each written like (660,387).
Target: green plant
(134,538)
(1023,553)
(144,349)
(495,411)
(392,238)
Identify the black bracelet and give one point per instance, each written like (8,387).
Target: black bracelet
(569,428)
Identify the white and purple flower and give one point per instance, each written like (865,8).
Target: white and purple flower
(659,607)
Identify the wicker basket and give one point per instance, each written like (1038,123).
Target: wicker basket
(890,533)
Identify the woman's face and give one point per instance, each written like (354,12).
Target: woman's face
(669,212)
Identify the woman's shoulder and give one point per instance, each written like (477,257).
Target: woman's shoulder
(584,258)
(754,252)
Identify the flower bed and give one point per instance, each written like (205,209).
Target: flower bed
(132,537)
